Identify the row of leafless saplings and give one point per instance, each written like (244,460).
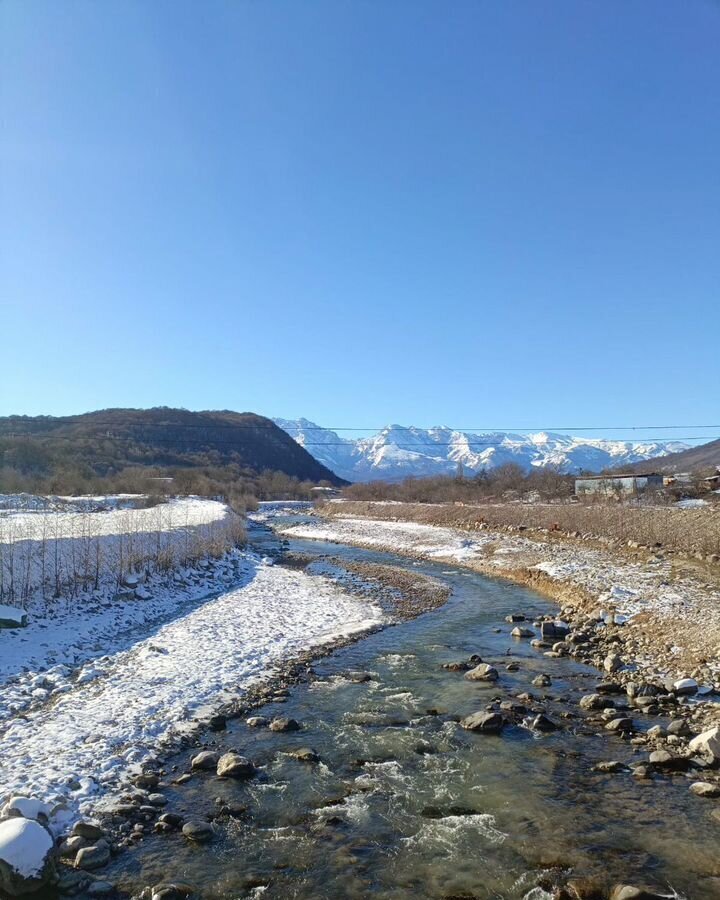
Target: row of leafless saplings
(50,566)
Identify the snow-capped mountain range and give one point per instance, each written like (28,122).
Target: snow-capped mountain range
(398,452)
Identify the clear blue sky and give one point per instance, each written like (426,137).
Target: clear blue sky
(472,213)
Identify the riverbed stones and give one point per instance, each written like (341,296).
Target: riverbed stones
(157,800)
(542,680)
(515,617)
(94,857)
(27,856)
(609,687)
(483,672)
(232,765)
(483,722)
(100,889)
(283,724)
(705,789)
(205,761)
(170,891)
(172,820)
(199,832)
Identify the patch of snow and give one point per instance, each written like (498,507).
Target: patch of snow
(24,845)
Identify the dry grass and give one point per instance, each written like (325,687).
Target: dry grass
(688,531)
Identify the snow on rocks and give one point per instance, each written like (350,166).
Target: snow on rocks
(27,857)
(144,697)
(12,617)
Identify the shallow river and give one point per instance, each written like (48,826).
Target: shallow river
(406,804)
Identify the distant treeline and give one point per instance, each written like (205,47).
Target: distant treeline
(505,482)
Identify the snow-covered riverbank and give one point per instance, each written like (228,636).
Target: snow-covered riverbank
(94,727)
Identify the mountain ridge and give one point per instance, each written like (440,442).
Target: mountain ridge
(398,452)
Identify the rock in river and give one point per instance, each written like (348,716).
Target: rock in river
(232,765)
(94,857)
(283,724)
(206,760)
(705,789)
(27,856)
(483,672)
(199,832)
(485,722)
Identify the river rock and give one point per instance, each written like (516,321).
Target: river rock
(610,765)
(685,687)
(631,892)
(623,725)
(205,760)
(232,765)
(705,789)
(306,754)
(595,701)
(88,830)
(485,722)
(94,857)
(27,856)
(28,808)
(461,666)
(542,680)
(171,891)
(556,630)
(515,617)
(662,759)
(172,820)
(100,889)
(284,724)
(198,831)
(707,744)
(542,723)
(612,663)
(483,672)
(519,632)
(257,722)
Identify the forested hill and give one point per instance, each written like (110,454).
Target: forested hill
(109,441)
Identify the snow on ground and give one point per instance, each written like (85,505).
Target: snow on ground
(145,694)
(70,522)
(630,587)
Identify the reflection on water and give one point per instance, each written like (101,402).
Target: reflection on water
(405,804)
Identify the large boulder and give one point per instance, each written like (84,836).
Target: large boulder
(707,744)
(27,856)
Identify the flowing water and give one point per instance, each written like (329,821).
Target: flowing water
(406,804)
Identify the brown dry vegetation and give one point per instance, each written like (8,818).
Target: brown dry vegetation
(688,531)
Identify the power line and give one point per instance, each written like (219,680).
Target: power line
(270,425)
(204,442)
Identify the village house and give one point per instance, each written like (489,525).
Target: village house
(629,485)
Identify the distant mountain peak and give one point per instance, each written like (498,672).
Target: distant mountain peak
(400,451)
